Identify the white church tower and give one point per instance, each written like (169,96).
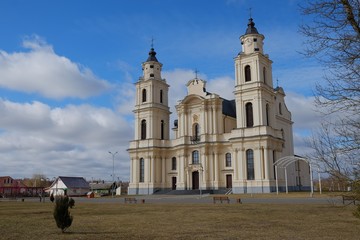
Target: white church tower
(152,118)
(264,126)
(219,145)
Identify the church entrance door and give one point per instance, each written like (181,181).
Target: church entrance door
(173,183)
(195,180)
(229,181)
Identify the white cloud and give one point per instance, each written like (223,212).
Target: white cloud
(62,141)
(40,70)
(223,86)
(303,111)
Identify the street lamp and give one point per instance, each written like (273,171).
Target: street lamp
(113,157)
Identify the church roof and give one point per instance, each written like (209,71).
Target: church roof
(152,57)
(251,29)
(229,108)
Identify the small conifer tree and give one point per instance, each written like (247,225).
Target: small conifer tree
(61,212)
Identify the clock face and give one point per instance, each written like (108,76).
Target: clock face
(248,42)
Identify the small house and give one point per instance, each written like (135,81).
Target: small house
(70,186)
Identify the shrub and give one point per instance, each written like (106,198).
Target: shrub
(71,202)
(61,212)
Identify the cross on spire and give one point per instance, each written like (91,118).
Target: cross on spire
(196,73)
(250,12)
(152,42)
(277,82)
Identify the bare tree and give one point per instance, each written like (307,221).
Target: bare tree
(333,37)
(330,155)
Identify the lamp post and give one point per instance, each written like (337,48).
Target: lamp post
(113,176)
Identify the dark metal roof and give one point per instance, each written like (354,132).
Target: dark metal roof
(251,29)
(229,108)
(75,182)
(152,57)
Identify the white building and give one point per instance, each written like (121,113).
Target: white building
(70,186)
(219,144)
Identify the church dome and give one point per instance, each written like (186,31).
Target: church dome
(251,29)
(152,57)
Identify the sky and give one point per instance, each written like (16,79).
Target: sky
(68,68)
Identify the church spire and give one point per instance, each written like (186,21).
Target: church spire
(152,53)
(152,57)
(251,29)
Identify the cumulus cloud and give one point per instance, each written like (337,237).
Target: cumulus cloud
(304,112)
(36,138)
(40,70)
(223,86)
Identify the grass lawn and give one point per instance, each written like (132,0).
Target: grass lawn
(34,220)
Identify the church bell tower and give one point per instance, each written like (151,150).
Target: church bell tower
(253,81)
(152,113)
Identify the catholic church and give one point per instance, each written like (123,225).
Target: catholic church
(219,145)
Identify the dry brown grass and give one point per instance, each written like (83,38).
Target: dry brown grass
(30,220)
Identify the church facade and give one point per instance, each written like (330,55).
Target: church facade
(219,145)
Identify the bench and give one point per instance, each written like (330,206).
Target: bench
(350,198)
(221,199)
(130,200)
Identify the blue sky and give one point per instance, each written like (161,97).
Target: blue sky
(67,70)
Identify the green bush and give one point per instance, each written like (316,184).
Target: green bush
(61,212)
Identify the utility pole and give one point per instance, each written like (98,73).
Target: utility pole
(113,176)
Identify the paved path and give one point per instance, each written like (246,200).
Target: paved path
(193,199)
(206,198)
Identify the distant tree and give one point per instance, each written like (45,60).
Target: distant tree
(61,212)
(329,154)
(356,187)
(333,38)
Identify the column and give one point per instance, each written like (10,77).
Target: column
(211,170)
(152,176)
(214,120)
(244,167)
(267,165)
(131,170)
(147,169)
(163,170)
(236,168)
(217,170)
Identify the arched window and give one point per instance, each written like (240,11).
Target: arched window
(247,73)
(195,157)
(228,159)
(264,74)
(142,170)
(196,132)
(144,95)
(280,108)
(161,96)
(143,129)
(250,164)
(249,115)
(162,129)
(173,163)
(267,115)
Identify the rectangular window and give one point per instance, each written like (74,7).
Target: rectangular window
(250,164)
(228,160)
(173,163)
(142,170)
